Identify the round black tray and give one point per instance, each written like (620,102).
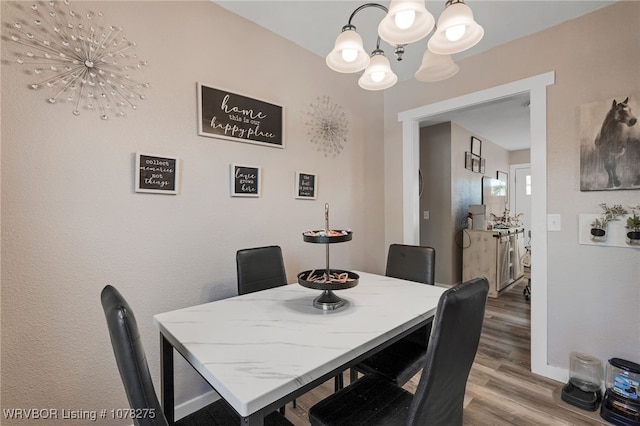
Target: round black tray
(328,286)
(328,301)
(327,239)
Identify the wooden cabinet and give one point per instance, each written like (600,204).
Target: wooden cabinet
(496,255)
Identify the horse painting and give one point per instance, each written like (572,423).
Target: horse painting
(609,148)
(612,140)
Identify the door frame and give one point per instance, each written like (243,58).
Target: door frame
(537,88)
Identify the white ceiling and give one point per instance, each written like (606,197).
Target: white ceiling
(314,25)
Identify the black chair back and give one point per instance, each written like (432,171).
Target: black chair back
(130,357)
(412,263)
(454,341)
(260,268)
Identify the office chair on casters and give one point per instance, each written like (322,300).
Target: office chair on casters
(400,361)
(375,401)
(135,375)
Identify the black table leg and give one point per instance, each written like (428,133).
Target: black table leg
(256,419)
(166,376)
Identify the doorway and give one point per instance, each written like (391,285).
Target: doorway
(536,86)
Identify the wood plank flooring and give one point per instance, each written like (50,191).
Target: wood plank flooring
(501,389)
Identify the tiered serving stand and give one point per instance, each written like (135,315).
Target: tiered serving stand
(327,301)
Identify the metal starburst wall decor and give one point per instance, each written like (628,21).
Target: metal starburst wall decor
(327,125)
(79,60)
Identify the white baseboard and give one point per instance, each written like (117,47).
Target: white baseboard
(555,373)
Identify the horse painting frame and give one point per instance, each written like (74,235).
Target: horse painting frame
(609,135)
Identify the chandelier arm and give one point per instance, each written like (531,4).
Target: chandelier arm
(364,6)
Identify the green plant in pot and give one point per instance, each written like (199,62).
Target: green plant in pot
(633,226)
(599,225)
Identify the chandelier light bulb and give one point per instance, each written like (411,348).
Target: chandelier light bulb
(406,22)
(349,55)
(377,76)
(404,19)
(455,33)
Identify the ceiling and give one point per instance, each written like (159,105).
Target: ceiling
(314,25)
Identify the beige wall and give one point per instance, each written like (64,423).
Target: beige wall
(521,156)
(71,222)
(593,292)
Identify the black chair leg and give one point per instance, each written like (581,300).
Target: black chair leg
(353,375)
(338,383)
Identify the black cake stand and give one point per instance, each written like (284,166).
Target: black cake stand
(328,300)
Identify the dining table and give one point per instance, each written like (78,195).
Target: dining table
(260,350)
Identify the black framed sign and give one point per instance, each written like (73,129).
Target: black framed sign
(227,115)
(306,186)
(476,146)
(475,164)
(468,160)
(245,181)
(157,175)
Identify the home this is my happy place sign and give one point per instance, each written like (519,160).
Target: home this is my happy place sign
(227,115)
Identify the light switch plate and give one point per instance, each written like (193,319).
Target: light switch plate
(554,223)
(426,214)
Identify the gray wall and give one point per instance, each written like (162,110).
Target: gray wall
(435,165)
(449,189)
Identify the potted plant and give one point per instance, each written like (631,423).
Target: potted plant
(599,225)
(633,226)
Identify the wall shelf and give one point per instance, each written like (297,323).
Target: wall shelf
(616,232)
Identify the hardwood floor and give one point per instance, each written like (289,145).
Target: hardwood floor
(501,389)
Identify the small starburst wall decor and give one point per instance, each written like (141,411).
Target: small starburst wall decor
(79,60)
(327,125)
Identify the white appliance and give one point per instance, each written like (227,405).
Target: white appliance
(479,216)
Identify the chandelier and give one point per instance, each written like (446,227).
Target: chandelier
(407,21)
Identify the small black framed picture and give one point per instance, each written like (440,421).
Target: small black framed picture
(467,160)
(475,164)
(245,180)
(156,174)
(306,186)
(482,165)
(476,146)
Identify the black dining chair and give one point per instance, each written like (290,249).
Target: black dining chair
(135,375)
(439,397)
(260,268)
(400,361)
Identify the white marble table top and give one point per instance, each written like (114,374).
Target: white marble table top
(257,348)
